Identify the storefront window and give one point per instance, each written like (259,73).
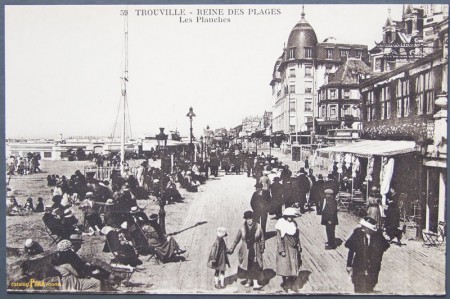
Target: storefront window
(419,81)
(429,92)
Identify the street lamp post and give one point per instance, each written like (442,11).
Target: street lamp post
(162,143)
(191,114)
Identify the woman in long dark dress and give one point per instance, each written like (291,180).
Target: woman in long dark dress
(251,251)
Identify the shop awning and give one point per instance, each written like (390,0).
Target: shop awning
(373,147)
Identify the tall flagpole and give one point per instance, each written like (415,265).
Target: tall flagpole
(124,95)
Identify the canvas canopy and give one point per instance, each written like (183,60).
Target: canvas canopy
(367,148)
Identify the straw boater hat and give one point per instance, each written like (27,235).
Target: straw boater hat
(106,229)
(221,232)
(369,223)
(290,212)
(89,194)
(29,243)
(134,209)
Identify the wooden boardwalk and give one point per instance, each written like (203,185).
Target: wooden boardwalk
(407,270)
(410,269)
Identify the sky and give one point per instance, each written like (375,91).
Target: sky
(63,64)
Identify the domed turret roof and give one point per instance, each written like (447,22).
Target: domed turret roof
(302,35)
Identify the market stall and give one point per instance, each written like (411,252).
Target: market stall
(368,163)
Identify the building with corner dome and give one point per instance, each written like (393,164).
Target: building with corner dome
(303,67)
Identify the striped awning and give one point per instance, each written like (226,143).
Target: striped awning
(368,148)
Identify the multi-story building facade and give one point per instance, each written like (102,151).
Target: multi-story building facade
(410,103)
(298,73)
(339,100)
(409,39)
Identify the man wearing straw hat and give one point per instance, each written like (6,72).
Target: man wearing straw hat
(366,248)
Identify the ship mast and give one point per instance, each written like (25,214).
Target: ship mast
(124,96)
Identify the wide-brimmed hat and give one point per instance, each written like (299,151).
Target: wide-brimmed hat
(248,214)
(106,229)
(29,243)
(221,232)
(290,212)
(109,202)
(153,217)
(369,223)
(328,191)
(64,245)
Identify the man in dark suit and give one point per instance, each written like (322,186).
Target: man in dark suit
(304,187)
(329,218)
(316,195)
(366,248)
(331,183)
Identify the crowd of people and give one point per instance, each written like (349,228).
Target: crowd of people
(110,209)
(23,165)
(286,195)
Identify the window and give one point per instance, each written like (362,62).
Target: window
(292,105)
(346,94)
(398,99)
(406,102)
(292,128)
(419,81)
(329,53)
(333,94)
(291,88)
(308,119)
(377,64)
(429,92)
(292,53)
(328,69)
(308,70)
(308,106)
(291,73)
(323,111)
(308,90)
(344,53)
(308,52)
(47,154)
(388,102)
(358,54)
(333,111)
